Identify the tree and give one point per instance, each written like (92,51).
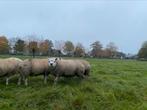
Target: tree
(4,46)
(79,50)
(45,47)
(111,50)
(19,46)
(143,51)
(69,48)
(12,42)
(50,45)
(26,48)
(32,44)
(96,49)
(33,47)
(58,47)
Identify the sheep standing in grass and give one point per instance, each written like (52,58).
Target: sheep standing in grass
(33,67)
(87,66)
(66,68)
(9,67)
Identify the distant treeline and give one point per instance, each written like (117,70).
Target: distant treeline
(32,45)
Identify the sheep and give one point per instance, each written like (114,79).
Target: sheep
(66,68)
(87,66)
(33,67)
(16,59)
(24,69)
(9,67)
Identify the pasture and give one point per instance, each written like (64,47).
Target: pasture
(112,85)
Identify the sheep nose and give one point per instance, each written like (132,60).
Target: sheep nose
(51,64)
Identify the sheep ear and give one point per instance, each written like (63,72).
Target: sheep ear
(56,59)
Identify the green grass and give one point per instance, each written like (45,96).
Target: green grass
(112,85)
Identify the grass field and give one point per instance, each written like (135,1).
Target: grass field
(113,85)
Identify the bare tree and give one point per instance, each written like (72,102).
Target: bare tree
(12,42)
(59,45)
(111,50)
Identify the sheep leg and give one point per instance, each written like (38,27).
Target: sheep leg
(45,78)
(81,74)
(7,80)
(56,80)
(19,81)
(26,81)
(87,72)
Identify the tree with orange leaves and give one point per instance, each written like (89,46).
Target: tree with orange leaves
(79,50)
(45,47)
(4,46)
(33,47)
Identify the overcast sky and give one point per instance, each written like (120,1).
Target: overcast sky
(122,22)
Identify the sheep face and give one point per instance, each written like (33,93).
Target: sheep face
(53,61)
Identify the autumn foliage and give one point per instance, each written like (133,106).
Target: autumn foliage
(45,47)
(4,46)
(33,46)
